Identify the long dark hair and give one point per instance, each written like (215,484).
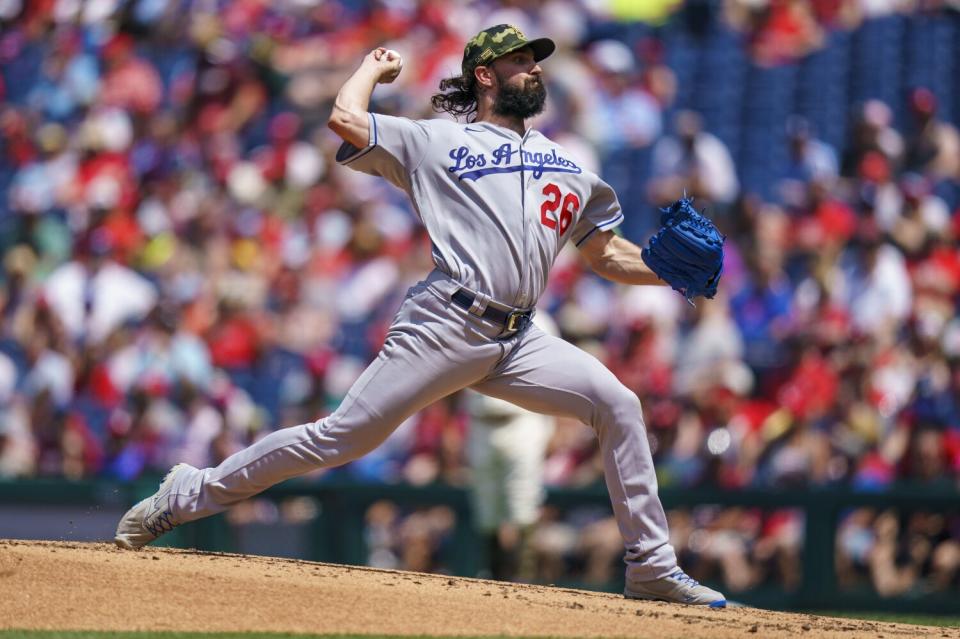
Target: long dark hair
(457,96)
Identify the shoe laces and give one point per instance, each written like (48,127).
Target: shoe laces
(162,523)
(684,579)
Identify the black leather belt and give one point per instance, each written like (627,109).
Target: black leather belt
(511,321)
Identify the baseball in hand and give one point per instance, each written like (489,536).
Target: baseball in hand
(395,62)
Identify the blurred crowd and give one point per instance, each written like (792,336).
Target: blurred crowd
(906,554)
(185,267)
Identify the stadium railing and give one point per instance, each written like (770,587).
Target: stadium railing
(336,532)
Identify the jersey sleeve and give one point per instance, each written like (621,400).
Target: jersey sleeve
(602,212)
(394,151)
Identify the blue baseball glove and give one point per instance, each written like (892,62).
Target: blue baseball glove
(687,251)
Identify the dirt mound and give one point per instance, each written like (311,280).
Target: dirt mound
(51,585)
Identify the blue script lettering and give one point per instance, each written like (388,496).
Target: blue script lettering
(465,160)
(469,166)
(503,154)
(543,162)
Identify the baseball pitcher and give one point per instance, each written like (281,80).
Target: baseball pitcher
(499,201)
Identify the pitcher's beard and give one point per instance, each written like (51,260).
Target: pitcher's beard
(523,102)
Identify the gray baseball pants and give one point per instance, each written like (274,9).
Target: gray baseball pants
(435,348)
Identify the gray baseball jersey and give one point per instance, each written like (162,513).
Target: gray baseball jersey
(498,206)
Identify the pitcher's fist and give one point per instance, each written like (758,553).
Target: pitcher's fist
(389,63)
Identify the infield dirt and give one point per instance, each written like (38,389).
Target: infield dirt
(71,586)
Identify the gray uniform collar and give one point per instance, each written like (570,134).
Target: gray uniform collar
(502,131)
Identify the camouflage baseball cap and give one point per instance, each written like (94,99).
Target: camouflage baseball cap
(502,39)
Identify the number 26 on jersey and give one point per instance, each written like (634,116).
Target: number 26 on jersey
(568,205)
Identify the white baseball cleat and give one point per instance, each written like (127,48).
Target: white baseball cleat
(150,518)
(677,587)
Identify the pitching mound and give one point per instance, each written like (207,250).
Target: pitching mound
(70,586)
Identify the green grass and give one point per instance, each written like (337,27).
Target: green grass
(948,621)
(99,634)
